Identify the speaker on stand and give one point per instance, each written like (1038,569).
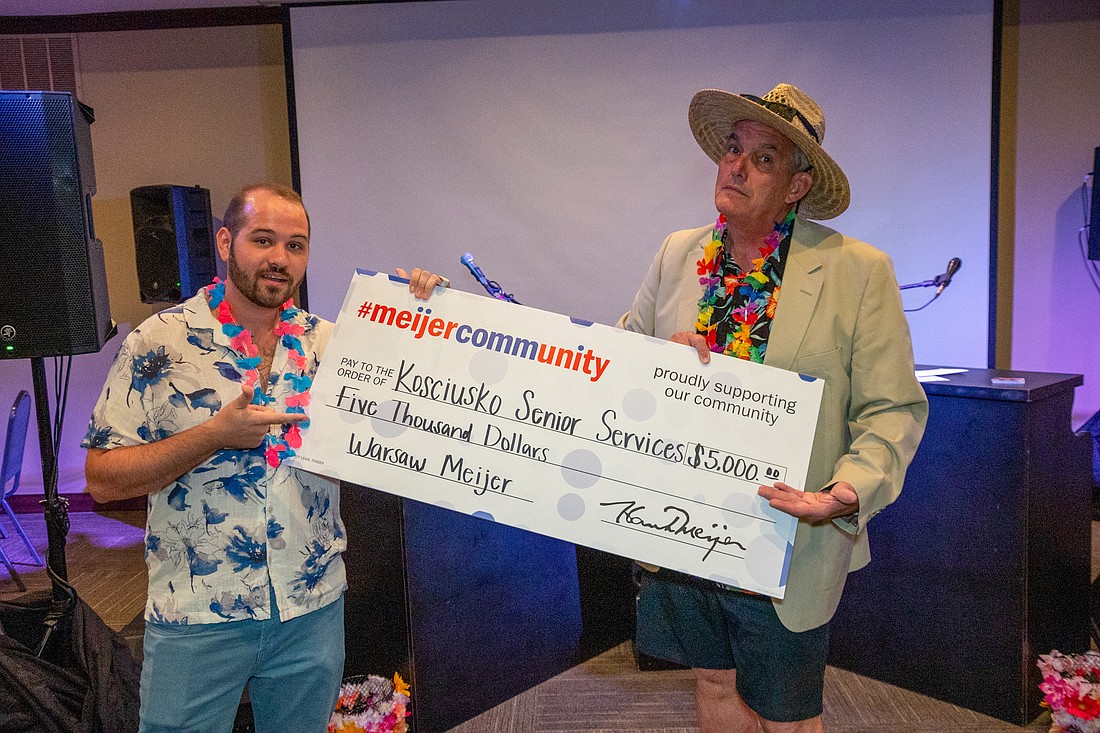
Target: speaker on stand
(53,282)
(173,240)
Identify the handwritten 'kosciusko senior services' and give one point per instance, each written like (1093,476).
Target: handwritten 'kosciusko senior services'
(570,429)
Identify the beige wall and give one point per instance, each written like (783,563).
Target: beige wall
(200,106)
(203,106)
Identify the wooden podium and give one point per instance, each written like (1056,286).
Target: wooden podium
(983,563)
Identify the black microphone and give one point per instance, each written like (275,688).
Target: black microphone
(945,279)
(468,260)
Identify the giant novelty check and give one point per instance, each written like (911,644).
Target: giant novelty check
(575,430)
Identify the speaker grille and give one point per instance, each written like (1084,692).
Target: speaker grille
(53,297)
(174,241)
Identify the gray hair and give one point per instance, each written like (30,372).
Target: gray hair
(799,161)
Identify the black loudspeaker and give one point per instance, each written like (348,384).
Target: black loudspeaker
(174,241)
(53,284)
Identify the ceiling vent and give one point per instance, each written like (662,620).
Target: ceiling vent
(39,63)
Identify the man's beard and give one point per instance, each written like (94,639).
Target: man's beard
(258,292)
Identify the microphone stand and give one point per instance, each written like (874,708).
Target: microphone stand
(923,283)
(491,286)
(498,292)
(933,283)
(940,282)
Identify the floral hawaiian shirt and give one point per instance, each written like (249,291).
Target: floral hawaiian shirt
(223,538)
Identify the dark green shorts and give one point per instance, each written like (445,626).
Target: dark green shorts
(693,622)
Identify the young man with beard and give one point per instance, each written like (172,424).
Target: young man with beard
(202,406)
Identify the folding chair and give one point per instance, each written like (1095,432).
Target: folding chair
(12,468)
(11,571)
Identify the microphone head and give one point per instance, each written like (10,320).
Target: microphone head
(945,279)
(466,259)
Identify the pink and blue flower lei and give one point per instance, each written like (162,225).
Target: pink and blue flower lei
(275,449)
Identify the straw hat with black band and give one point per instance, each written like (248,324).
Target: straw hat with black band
(787,109)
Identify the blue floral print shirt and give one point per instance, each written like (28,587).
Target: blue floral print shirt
(221,539)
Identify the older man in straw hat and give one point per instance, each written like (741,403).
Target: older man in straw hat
(766,284)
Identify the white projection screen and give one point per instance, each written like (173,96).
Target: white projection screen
(550,139)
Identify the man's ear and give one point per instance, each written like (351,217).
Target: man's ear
(801,183)
(224,240)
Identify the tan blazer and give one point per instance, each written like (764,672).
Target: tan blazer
(840,318)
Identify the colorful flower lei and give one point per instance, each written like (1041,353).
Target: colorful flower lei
(240,338)
(371,704)
(1071,689)
(718,288)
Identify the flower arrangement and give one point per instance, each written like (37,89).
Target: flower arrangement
(371,704)
(1071,689)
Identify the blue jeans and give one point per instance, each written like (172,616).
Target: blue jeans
(192,676)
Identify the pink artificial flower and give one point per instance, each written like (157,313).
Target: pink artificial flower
(289,327)
(294,437)
(224,314)
(297,357)
(298,400)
